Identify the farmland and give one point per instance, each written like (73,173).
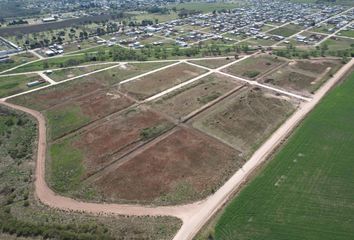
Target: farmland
(306,190)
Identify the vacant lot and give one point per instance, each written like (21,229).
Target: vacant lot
(287,30)
(61,93)
(338,43)
(94,148)
(254,67)
(307,190)
(303,76)
(186,166)
(15,84)
(147,86)
(246,119)
(77,112)
(213,63)
(17,60)
(184,101)
(59,75)
(24,217)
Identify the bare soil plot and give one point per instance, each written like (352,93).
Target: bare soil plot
(303,76)
(77,112)
(10,85)
(212,63)
(149,85)
(182,102)
(57,94)
(246,119)
(111,139)
(254,67)
(62,74)
(63,92)
(186,166)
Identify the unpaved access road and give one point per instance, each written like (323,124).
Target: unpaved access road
(194,215)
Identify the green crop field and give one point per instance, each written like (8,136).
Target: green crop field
(307,190)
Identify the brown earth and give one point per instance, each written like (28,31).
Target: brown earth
(213,63)
(113,138)
(182,102)
(149,85)
(186,166)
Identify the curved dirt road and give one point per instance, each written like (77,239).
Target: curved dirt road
(194,215)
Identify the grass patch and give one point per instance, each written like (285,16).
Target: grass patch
(287,30)
(16,84)
(152,132)
(306,191)
(63,121)
(65,166)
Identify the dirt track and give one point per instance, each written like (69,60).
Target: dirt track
(194,215)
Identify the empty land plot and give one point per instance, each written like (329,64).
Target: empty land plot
(184,101)
(338,43)
(287,30)
(183,167)
(254,66)
(303,76)
(77,112)
(212,63)
(57,94)
(62,74)
(79,156)
(125,71)
(151,84)
(307,190)
(11,85)
(16,60)
(246,119)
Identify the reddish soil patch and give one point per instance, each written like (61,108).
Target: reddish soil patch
(185,166)
(51,96)
(110,140)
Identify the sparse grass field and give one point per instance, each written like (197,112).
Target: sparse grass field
(254,67)
(245,119)
(182,102)
(17,60)
(339,43)
(189,164)
(213,63)
(306,190)
(99,146)
(287,30)
(157,82)
(304,76)
(15,84)
(23,217)
(59,75)
(347,33)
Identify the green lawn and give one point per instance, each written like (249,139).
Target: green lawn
(17,60)
(16,84)
(348,33)
(307,190)
(339,43)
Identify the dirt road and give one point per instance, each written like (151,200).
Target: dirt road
(194,215)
